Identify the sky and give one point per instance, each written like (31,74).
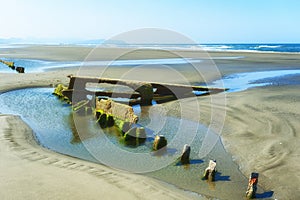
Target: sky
(204,21)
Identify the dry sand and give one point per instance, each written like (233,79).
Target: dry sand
(261,132)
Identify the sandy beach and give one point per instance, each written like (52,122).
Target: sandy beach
(260,131)
(261,134)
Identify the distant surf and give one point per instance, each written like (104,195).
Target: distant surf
(243,47)
(258,47)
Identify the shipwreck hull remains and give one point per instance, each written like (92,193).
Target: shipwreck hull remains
(143,92)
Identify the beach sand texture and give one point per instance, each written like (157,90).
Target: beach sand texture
(261,132)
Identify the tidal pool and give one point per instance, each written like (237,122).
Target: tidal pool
(56,128)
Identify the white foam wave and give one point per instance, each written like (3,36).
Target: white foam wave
(215,47)
(268,46)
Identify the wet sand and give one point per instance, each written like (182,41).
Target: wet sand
(260,131)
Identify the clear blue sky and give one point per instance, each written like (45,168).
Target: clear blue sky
(205,21)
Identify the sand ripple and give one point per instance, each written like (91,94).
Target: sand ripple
(23,151)
(262,130)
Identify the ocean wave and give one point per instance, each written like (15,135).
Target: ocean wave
(215,47)
(268,46)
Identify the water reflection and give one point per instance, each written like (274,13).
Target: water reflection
(244,81)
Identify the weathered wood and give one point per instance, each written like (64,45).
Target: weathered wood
(185,156)
(174,87)
(78,95)
(121,111)
(9,64)
(13,67)
(81,80)
(210,171)
(159,142)
(143,90)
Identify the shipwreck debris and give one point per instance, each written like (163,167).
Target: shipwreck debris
(210,171)
(118,110)
(11,65)
(135,136)
(252,185)
(159,142)
(144,92)
(58,91)
(20,69)
(185,156)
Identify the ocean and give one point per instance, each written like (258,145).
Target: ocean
(256,47)
(288,48)
(243,47)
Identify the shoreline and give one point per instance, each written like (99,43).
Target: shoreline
(40,52)
(200,47)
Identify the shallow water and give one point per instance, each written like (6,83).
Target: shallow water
(47,116)
(32,65)
(52,123)
(243,81)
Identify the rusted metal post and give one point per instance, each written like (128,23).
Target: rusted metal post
(252,186)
